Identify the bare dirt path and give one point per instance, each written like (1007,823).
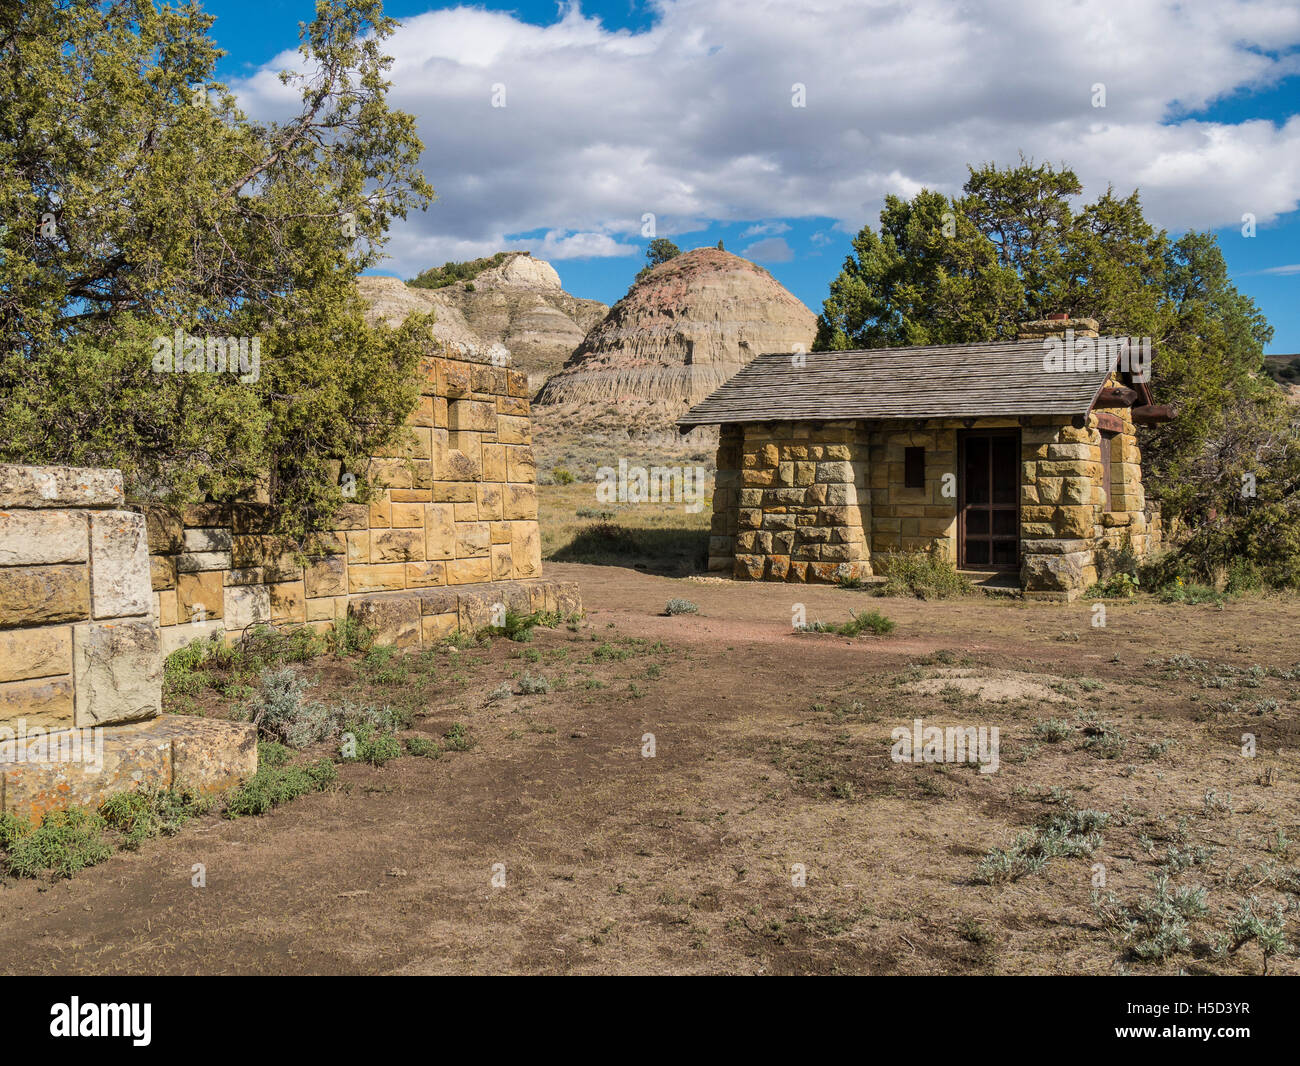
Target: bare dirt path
(771,755)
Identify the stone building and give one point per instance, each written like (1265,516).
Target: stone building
(1018,457)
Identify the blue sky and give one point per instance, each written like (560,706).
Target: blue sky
(683,109)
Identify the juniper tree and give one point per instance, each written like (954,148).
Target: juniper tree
(137,200)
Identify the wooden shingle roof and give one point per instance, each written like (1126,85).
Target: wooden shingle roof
(940,381)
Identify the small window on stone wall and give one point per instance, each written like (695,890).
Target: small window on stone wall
(913,468)
(1106,439)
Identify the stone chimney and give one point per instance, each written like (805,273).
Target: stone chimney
(1055,326)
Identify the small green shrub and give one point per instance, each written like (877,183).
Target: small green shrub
(64,842)
(1052,730)
(870,622)
(561,476)
(530,685)
(458,738)
(925,575)
(1067,835)
(423,747)
(382,665)
(679,606)
(273,785)
(146,812)
(351,637)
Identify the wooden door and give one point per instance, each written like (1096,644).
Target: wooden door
(988,514)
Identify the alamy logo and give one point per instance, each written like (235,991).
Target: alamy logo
(181,353)
(48,747)
(659,484)
(102,1019)
(955,744)
(1129,354)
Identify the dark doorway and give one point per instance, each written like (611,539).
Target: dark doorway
(988,509)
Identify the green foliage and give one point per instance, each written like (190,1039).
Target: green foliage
(137,207)
(351,637)
(1066,835)
(383,665)
(679,606)
(925,575)
(450,273)
(1154,927)
(1260,922)
(148,812)
(867,622)
(562,476)
(458,738)
(659,251)
(64,842)
(274,785)
(533,685)
(423,747)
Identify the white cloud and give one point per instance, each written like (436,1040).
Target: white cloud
(556,245)
(771,250)
(1277,271)
(761,228)
(692,119)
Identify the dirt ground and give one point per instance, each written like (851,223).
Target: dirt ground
(771,754)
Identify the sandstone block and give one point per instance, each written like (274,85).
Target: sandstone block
(473,539)
(32,595)
(246,605)
(200,597)
(385,577)
(45,702)
(119,564)
(511,430)
(520,502)
(326,577)
(469,571)
(32,653)
(39,538)
(440,531)
(394,619)
(1054,572)
(396,545)
(193,562)
(209,539)
(59,486)
(288,603)
(525,549)
(117,667)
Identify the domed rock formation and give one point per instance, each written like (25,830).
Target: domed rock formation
(517,303)
(679,333)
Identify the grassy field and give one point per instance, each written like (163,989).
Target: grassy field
(661,538)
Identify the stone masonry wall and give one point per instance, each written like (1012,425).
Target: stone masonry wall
(460,511)
(77,645)
(815,502)
(802,510)
(903,519)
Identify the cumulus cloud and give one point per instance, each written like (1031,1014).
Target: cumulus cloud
(760,228)
(771,250)
(693,119)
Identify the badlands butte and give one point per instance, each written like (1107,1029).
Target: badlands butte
(612,376)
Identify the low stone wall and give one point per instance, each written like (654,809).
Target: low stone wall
(460,511)
(77,645)
(80,655)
